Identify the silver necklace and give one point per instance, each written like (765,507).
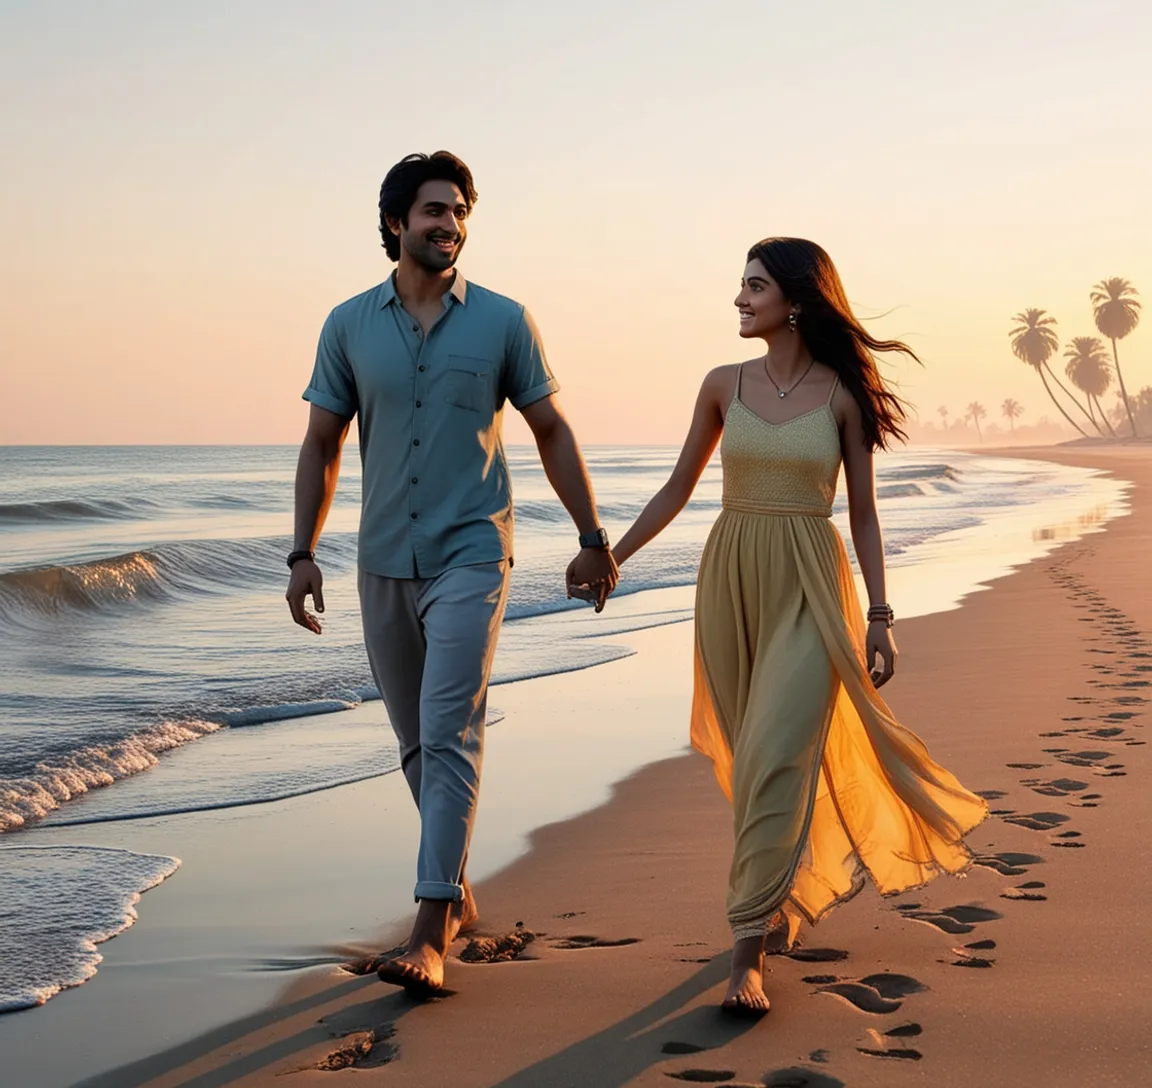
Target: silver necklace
(784,392)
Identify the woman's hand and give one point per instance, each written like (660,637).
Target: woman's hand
(880,644)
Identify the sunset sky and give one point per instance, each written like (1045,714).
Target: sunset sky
(188,189)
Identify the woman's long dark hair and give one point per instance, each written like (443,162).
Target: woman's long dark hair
(833,334)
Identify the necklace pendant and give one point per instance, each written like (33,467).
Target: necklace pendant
(783,393)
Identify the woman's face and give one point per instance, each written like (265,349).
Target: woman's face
(762,305)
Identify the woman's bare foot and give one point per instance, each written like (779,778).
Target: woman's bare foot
(745,996)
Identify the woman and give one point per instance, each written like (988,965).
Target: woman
(825,784)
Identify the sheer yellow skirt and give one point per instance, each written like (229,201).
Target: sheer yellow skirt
(826,786)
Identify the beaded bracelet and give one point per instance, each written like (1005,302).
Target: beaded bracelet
(882,613)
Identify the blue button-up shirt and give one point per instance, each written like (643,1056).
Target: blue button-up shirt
(436,492)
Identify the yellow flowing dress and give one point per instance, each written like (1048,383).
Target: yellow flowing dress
(826,786)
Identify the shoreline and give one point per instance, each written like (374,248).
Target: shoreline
(677,774)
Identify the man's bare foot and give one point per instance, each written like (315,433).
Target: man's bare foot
(420,970)
(745,996)
(463,914)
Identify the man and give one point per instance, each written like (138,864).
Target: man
(427,361)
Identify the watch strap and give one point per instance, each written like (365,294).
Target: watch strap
(596,539)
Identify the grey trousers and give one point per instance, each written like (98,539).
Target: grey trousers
(430,643)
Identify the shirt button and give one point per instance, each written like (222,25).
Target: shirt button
(421,370)
(415,441)
(415,328)
(413,517)
(419,405)
(415,480)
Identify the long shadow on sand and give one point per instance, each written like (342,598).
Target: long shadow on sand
(615,1056)
(377,1010)
(609,1059)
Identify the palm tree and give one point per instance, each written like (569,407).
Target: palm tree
(1012,410)
(942,412)
(1117,312)
(1034,340)
(976,412)
(1090,371)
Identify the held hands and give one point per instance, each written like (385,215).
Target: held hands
(305,580)
(592,576)
(880,644)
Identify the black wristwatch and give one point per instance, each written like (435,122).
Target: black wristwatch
(596,539)
(294,557)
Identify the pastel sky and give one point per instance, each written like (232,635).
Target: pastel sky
(189,188)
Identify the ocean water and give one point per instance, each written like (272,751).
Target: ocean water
(141,610)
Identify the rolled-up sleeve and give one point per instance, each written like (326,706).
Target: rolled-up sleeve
(527,378)
(333,385)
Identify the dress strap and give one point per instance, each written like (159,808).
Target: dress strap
(835,386)
(739,378)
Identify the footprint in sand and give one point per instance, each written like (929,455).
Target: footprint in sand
(360,1046)
(952,920)
(1079,759)
(703,1076)
(799,1077)
(991,795)
(1027,892)
(1025,766)
(1055,787)
(966,959)
(1038,821)
(817,955)
(673,1047)
(967,956)
(904,1031)
(510,946)
(1088,800)
(1008,863)
(568,943)
(879,994)
(881,1047)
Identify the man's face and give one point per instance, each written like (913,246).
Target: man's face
(436,227)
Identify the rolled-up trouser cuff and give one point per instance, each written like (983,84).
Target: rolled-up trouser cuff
(435,889)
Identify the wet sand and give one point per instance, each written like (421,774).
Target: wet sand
(1031,970)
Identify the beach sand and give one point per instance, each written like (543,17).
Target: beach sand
(1030,970)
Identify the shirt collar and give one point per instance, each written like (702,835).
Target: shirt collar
(458,290)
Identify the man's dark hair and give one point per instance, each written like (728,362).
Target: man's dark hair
(398,193)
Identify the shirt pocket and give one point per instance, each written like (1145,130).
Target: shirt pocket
(468,383)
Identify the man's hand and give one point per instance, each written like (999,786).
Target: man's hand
(595,570)
(305,580)
(880,644)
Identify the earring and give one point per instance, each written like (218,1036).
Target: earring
(792,321)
